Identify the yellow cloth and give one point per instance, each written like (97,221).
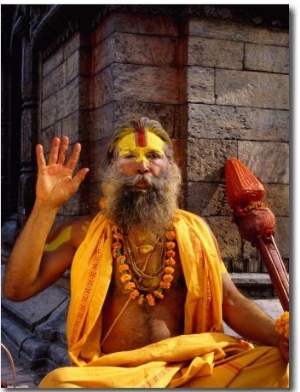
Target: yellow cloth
(207,360)
(174,362)
(91,275)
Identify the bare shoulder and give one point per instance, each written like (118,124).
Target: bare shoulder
(79,227)
(72,231)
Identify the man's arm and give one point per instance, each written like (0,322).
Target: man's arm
(30,269)
(248,320)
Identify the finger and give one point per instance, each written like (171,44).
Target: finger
(72,162)
(63,150)
(54,150)
(40,156)
(80,176)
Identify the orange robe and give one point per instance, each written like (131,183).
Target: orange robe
(202,357)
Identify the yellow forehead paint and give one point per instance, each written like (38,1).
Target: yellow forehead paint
(128,145)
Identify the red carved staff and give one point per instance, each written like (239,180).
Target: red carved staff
(256,222)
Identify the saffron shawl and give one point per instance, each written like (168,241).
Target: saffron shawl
(91,274)
(197,359)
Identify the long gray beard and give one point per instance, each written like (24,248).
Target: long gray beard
(151,209)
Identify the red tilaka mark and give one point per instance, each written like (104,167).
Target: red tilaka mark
(140,137)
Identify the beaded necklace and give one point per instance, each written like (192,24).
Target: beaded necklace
(135,290)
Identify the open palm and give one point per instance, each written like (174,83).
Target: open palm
(56,183)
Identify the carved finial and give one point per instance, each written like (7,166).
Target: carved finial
(242,187)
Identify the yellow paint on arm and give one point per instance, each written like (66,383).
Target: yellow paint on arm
(62,237)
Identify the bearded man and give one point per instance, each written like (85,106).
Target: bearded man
(149,291)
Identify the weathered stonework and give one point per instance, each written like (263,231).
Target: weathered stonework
(216,77)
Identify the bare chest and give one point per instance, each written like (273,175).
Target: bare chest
(130,319)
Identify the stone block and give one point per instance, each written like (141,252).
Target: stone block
(52,62)
(227,236)
(238,123)
(251,253)
(68,99)
(239,265)
(94,195)
(58,355)
(282,236)
(277,198)
(103,87)
(85,62)
(9,231)
(207,199)
(253,265)
(104,29)
(78,204)
(104,54)
(237,32)
(214,53)
(135,24)
(73,45)
(179,156)
(85,94)
(206,159)
(54,81)
(252,89)
(30,312)
(77,127)
(34,353)
(145,83)
(98,162)
(72,67)
(49,111)
(201,85)
(145,24)
(269,162)
(128,109)
(48,134)
(54,328)
(102,125)
(145,49)
(15,333)
(266,58)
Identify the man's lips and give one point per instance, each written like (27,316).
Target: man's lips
(142,184)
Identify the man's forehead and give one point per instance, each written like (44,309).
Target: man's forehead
(142,139)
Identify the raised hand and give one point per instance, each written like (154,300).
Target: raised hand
(56,183)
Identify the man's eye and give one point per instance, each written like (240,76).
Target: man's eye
(130,156)
(153,155)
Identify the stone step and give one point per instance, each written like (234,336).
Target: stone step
(254,285)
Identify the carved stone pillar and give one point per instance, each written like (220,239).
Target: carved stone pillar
(29,124)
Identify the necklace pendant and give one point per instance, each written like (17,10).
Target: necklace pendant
(145,249)
(151,283)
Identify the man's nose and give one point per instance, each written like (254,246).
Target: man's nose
(143,167)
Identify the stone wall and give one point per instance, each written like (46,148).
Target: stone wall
(220,88)
(238,106)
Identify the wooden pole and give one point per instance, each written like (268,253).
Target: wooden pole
(256,222)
